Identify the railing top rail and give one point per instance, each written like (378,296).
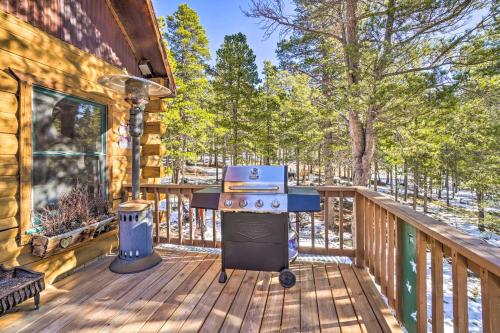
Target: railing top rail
(472,248)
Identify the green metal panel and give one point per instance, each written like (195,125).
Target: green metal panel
(409,276)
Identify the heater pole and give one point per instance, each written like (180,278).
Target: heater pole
(136,130)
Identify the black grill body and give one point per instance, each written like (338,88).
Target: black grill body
(254,202)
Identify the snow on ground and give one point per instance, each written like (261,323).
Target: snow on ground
(463,200)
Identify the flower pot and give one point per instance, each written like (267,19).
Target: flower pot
(44,246)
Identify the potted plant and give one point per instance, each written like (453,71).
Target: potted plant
(77,217)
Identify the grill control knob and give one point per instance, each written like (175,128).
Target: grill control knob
(243,203)
(275,204)
(228,203)
(259,203)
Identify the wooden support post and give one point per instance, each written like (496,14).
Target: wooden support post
(190,217)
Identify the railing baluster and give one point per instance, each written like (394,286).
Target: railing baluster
(383,259)
(180,215)
(371,215)
(297,229)
(390,261)
(459,277)
(144,193)
(157,217)
(341,220)
(359,229)
(167,204)
(437,287)
(190,217)
(202,213)
(399,268)
(214,227)
(313,230)
(377,243)
(367,231)
(490,294)
(421,288)
(326,218)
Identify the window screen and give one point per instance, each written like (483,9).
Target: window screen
(68,145)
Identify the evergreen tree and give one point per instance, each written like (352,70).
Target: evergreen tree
(235,83)
(186,118)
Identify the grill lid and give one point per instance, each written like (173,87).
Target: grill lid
(255,179)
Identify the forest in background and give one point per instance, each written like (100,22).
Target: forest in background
(406,91)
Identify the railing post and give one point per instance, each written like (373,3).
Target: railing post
(359,239)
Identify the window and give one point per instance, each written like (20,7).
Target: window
(69,145)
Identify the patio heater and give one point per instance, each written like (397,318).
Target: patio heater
(135,216)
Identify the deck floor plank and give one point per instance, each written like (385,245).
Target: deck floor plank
(328,318)
(271,322)
(309,318)
(183,294)
(136,322)
(291,305)
(165,310)
(364,312)
(255,312)
(218,313)
(236,313)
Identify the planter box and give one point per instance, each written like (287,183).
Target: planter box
(44,246)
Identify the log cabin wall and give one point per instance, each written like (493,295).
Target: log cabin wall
(29,55)
(87,24)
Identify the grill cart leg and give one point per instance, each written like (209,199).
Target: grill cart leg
(222,276)
(37,301)
(287,278)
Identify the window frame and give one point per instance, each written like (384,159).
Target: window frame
(26,82)
(101,156)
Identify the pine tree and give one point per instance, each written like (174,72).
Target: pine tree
(235,83)
(187,118)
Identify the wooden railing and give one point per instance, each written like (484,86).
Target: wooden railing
(388,225)
(384,237)
(192,228)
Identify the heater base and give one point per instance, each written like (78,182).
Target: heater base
(122,266)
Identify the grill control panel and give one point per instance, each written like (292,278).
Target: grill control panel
(258,203)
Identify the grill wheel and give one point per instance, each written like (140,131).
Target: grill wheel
(287,278)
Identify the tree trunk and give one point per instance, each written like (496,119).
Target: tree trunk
(480,209)
(396,192)
(391,181)
(235,135)
(405,181)
(415,188)
(447,185)
(375,174)
(425,193)
(297,167)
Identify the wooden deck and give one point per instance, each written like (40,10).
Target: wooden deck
(182,294)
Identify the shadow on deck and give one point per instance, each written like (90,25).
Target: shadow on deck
(183,294)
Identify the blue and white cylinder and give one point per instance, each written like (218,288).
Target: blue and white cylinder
(136,229)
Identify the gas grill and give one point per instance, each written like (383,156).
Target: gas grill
(254,202)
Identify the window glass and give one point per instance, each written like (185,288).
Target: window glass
(68,146)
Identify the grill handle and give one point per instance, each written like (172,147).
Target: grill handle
(272,188)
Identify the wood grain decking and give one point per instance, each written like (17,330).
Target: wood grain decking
(182,294)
